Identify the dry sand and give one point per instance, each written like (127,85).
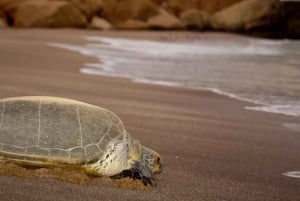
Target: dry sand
(213,149)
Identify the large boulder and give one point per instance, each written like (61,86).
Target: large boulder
(176,7)
(293,27)
(195,19)
(164,20)
(41,13)
(9,5)
(291,18)
(100,23)
(117,11)
(246,15)
(132,24)
(88,7)
(3,22)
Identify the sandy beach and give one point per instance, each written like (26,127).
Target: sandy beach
(212,148)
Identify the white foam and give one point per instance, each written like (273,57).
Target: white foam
(224,47)
(95,71)
(293,174)
(230,95)
(80,49)
(164,83)
(289,110)
(107,66)
(154,62)
(278,109)
(293,126)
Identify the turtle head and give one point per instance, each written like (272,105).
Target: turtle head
(152,159)
(143,163)
(149,157)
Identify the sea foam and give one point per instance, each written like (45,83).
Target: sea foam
(253,70)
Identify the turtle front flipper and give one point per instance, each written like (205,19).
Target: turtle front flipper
(138,171)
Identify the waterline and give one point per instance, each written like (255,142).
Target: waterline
(263,72)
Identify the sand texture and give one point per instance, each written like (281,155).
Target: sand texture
(212,148)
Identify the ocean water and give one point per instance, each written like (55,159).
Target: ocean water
(265,72)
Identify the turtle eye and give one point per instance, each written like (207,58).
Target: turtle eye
(158,160)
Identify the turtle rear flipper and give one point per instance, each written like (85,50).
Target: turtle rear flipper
(138,171)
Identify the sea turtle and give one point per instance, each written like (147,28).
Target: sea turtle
(48,131)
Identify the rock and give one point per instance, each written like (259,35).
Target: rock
(164,20)
(3,22)
(133,25)
(117,11)
(176,7)
(100,23)
(246,15)
(293,27)
(291,21)
(40,13)
(195,19)
(9,5)
(88,7)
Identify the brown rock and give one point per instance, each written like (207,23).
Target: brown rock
(88,7)
(293,27)
(117,11)
(100,23)
(176,7)
(291,18)
(9,5)
(3,22)
(195,19)
(40,13)
(133,24)
(246,15)
(164,20)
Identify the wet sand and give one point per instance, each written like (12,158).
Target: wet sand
(212,148)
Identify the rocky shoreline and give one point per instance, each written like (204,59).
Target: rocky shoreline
(268,18)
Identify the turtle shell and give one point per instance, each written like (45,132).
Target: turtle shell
(48,129)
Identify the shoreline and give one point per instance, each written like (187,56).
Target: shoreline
(212,148)
(110,47)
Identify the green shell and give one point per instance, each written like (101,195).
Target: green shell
(43,129)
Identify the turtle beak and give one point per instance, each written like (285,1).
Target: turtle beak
(158,165)
(152,159)
(161,167)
